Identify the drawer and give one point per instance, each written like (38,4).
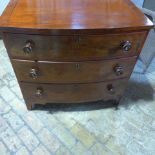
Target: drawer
(73,48)
(72,93)
(73,72)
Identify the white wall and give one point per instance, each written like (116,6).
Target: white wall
(3,5)
(138,2)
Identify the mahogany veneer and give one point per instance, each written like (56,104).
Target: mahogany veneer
(73,72)
(74,47)
(73,93)
(73,51)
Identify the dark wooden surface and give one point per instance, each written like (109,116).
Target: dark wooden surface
(73,72)
(72,93)
(74,48)
(60,15)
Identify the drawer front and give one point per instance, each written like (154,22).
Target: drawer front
(72,93)
(73,72)
(73,48)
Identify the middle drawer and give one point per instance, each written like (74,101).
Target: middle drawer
(73,72)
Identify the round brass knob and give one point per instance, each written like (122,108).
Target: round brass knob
(28,47)
(33,73)
(118,69)
(126,46)
(110,88)
(39,92)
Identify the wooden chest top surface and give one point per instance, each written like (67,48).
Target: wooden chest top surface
(73,15)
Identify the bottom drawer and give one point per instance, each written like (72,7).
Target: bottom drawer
(72,93)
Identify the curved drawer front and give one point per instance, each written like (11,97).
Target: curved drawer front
(73,48)
(72,93)
(73,72)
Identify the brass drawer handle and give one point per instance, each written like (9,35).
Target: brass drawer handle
(39,92)
(77,41)
(110,89)
(126,46)
(28,48)
(118,69)
(77,66)
(34,73)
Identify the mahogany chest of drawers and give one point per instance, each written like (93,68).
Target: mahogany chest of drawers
(73,51)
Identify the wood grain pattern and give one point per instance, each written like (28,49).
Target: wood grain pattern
(59,15)
(72,93)
(4,18)
(73,72)
(73,48)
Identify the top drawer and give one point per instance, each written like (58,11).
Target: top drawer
(73,48)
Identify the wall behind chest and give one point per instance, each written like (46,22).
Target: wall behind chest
(138,2)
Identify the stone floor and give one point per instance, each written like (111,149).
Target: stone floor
(78,130)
